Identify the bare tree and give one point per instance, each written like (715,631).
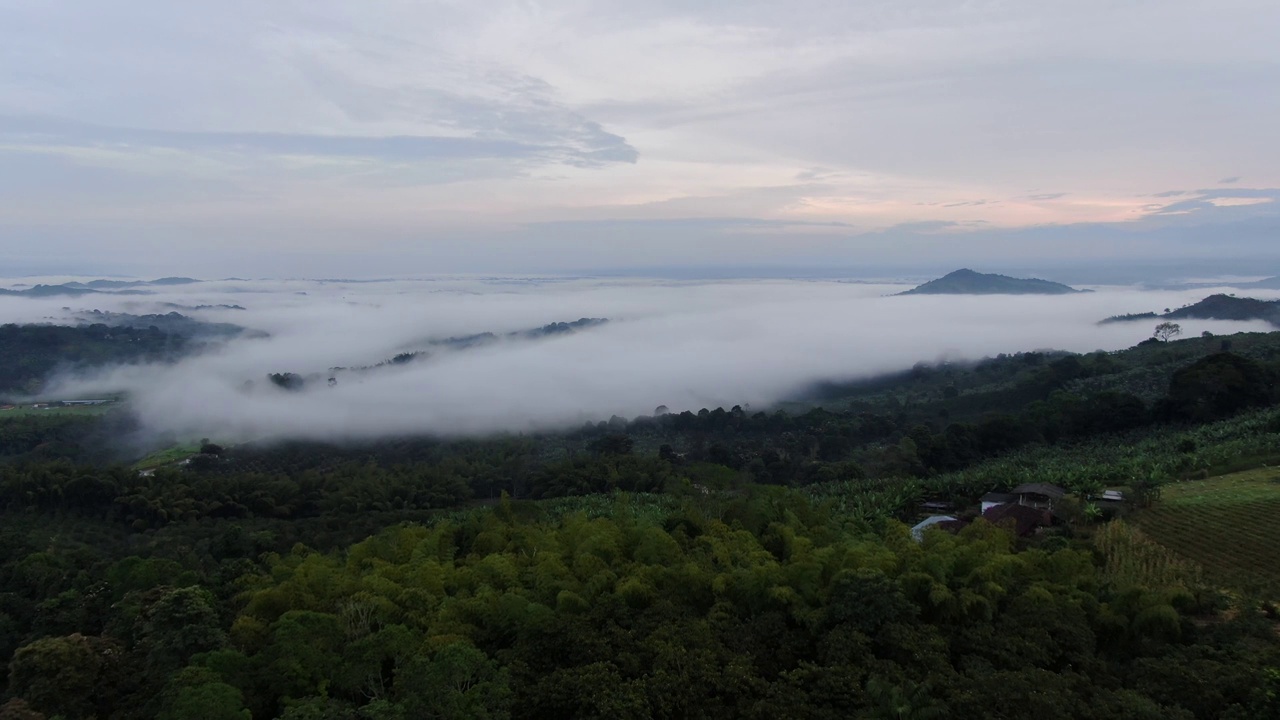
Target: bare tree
(1166,330)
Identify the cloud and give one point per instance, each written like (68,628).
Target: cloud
(1213,202)
(686,345)
(1229,180)
(591,144)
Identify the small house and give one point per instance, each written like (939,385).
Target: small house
(1038,495)
(917,531)
(993,499)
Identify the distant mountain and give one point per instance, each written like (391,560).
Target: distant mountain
(221,306)
(1271,283)
(173,281)
(49,291)
(968,282)
(1214,307)
(119,287)
(119,284)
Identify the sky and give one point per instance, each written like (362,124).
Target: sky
(317,138)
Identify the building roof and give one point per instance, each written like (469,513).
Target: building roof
(1045,489)
(952,526)
(1024,519)
(917,531)
(995,497)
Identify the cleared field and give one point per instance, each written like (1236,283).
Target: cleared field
(167,456)
(1226,524)
(69,410)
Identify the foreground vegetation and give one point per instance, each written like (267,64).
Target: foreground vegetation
(767,605)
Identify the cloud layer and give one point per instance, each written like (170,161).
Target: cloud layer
(684,345)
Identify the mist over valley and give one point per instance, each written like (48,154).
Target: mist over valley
(467,356)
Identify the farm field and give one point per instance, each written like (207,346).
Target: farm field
(67,410)
(167,456)
(1223,523)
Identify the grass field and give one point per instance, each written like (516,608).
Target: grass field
(1227,524)
(167,456)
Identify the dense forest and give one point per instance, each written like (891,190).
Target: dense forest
(724,563)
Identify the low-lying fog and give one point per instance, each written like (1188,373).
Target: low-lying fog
(685,345)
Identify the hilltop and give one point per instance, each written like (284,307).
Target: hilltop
(1214,307)
(969,282)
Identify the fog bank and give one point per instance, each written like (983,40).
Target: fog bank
(683,345)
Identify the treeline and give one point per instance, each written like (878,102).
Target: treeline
(768,606)
(779,448)
(295,382)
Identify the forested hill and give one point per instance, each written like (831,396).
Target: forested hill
(1214,307)
(968,282)
(32,353)
(1225,307)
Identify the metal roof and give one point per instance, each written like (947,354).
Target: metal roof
(1046,489)
(917,531)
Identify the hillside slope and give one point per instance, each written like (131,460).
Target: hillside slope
(1214,307)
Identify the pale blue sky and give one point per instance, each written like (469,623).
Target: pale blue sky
(323,137)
